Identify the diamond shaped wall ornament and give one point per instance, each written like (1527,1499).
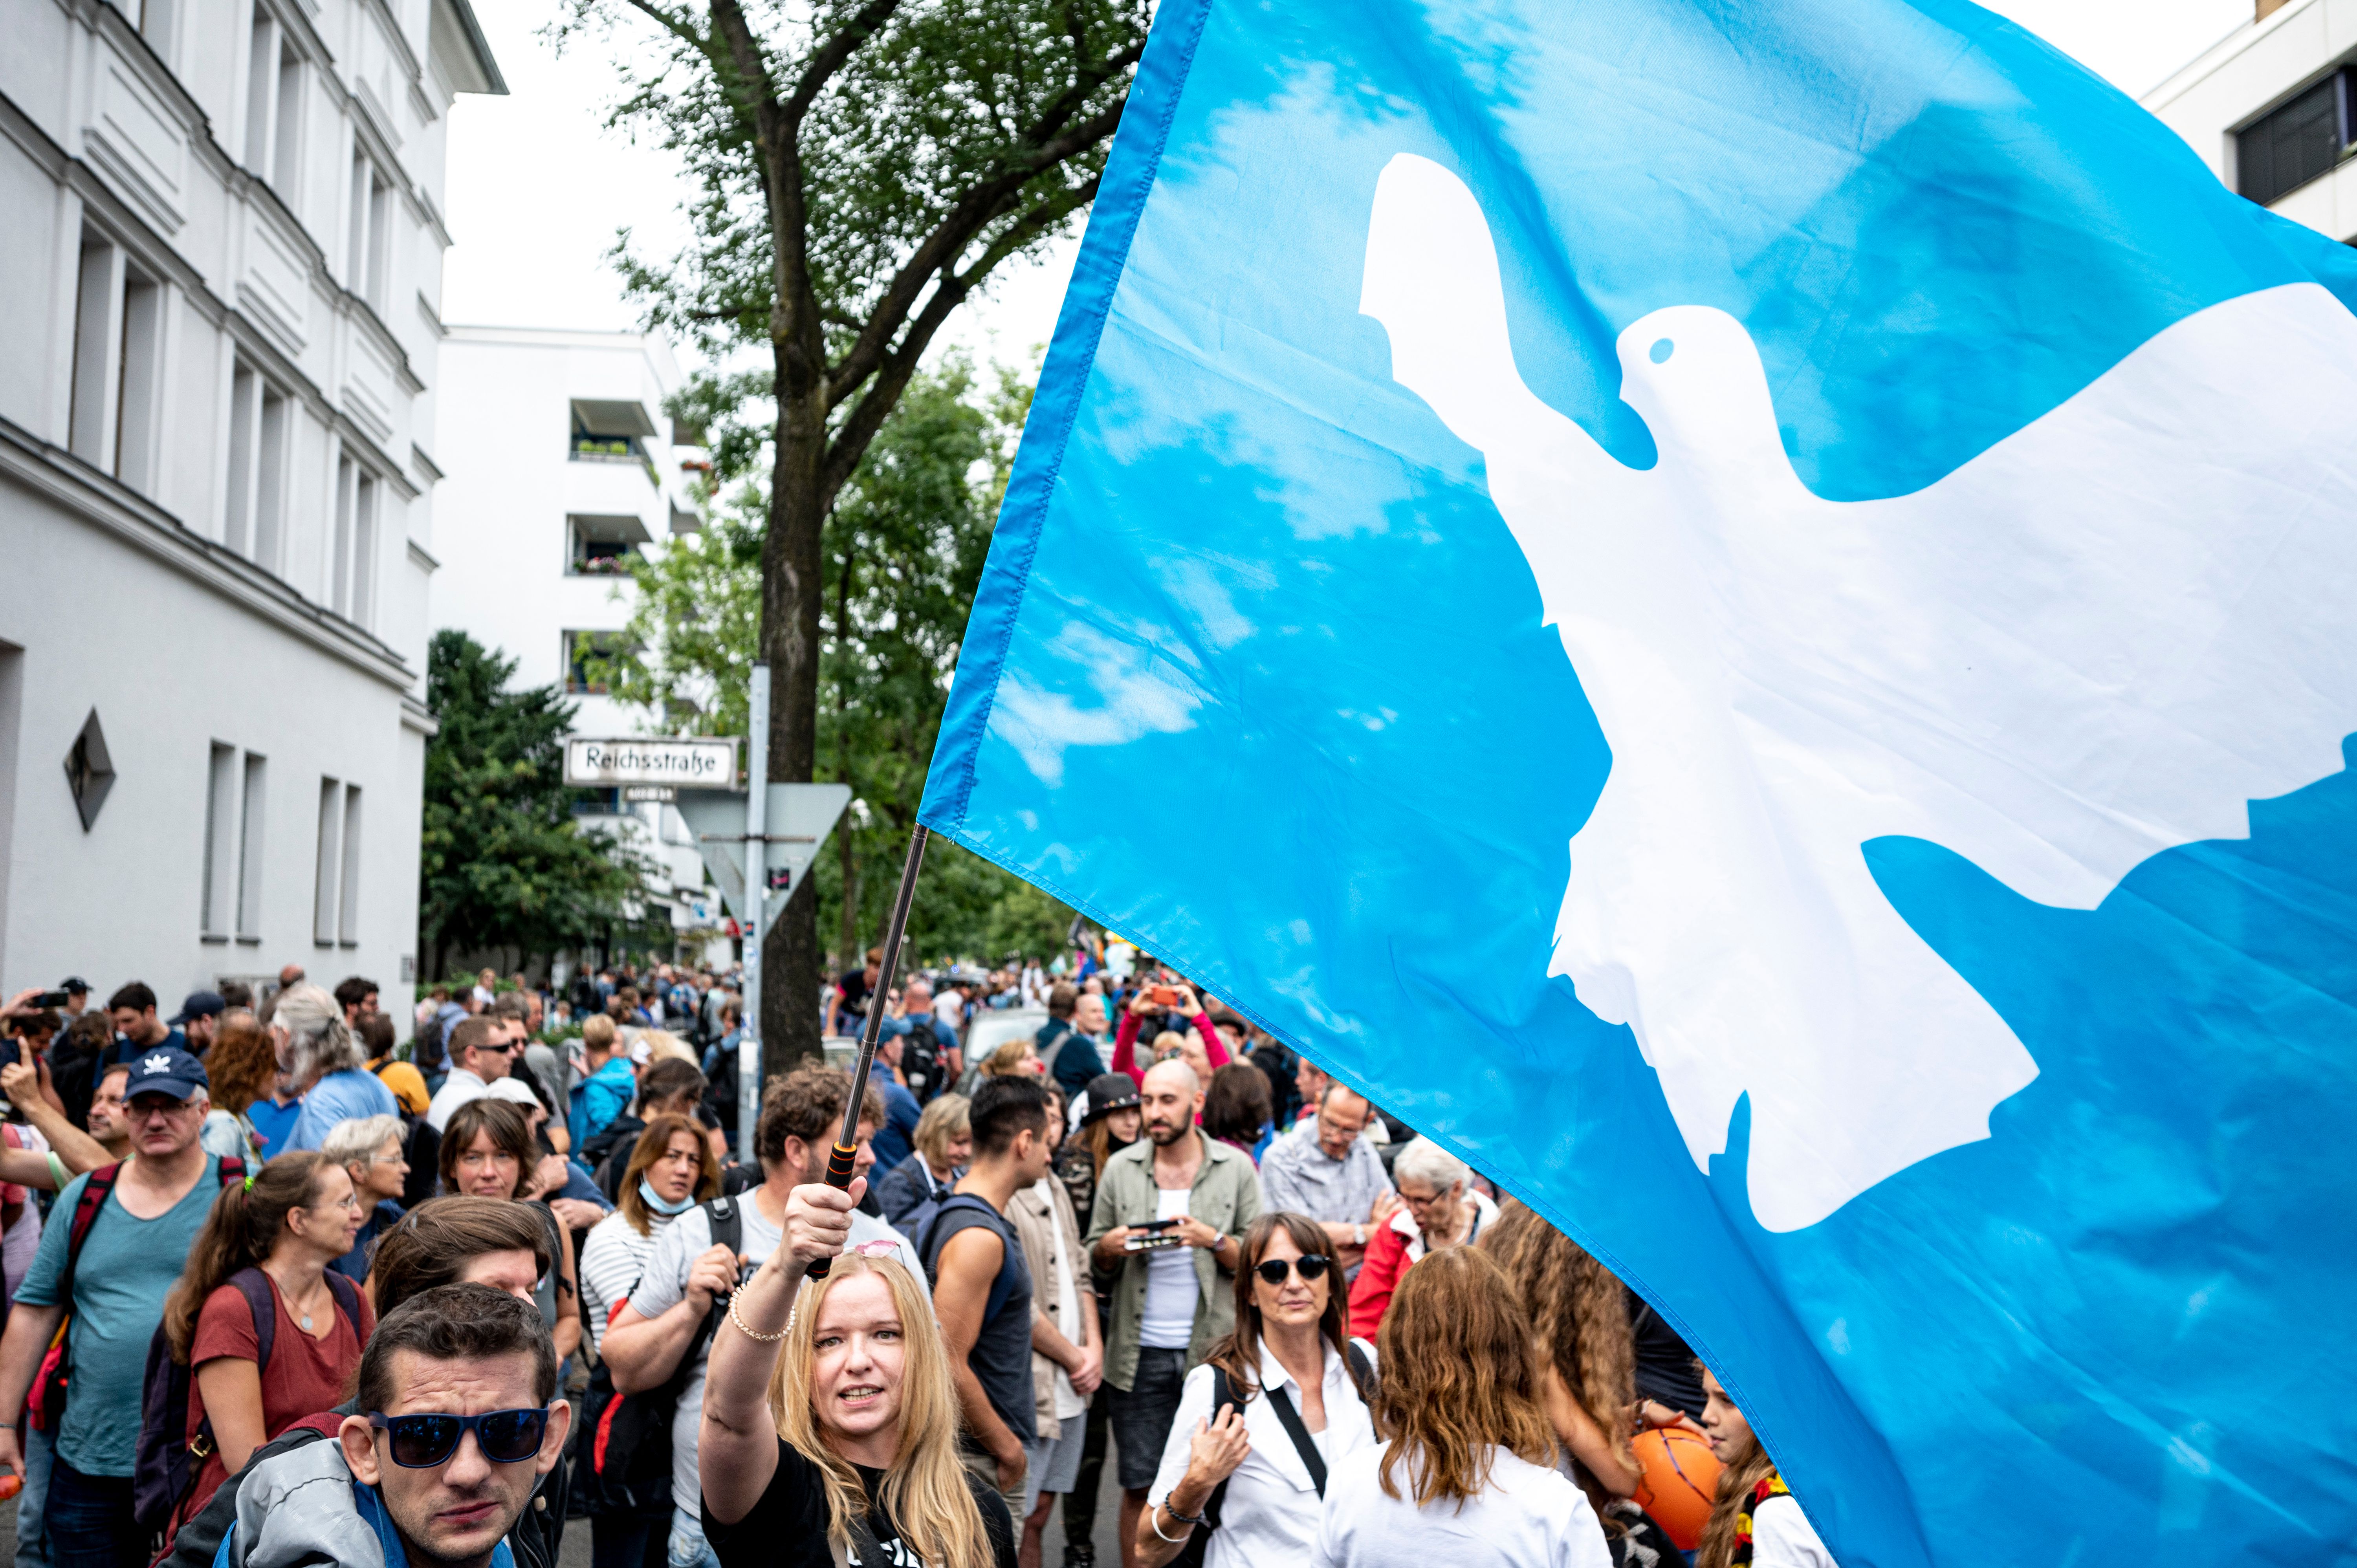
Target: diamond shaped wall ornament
(90,772)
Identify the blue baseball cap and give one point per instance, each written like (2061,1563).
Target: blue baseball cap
(167,1069)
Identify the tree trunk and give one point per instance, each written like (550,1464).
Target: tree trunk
(791,590)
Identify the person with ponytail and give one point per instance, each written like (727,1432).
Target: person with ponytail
(1755,1519)
(286,1225)
(1466,1472)
(326,1067)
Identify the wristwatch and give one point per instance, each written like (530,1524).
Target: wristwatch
(1358,1236)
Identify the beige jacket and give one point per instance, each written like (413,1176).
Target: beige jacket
(1036,1220)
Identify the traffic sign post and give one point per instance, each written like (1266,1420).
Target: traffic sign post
(748,1039)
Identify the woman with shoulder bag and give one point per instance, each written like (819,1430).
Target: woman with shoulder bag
(1260,1423)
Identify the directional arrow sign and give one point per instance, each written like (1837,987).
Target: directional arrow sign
(801,818)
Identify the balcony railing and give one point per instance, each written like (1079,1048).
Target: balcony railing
(614,449)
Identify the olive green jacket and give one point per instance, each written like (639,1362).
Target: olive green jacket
(1226,1197)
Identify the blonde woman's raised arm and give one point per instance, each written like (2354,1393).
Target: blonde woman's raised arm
(736,1452)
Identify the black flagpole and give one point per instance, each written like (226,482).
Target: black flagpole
(846,1149)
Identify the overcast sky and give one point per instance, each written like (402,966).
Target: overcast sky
(538,187)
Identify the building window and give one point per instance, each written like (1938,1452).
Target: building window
(602,546)
(352,552)
(273,103)
(586,654)
(249,864)
(2291,145)
(367,247)
(118,341)
(347,889)
(335,902)
(258,418)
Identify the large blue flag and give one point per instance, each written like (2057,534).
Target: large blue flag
(1742,609)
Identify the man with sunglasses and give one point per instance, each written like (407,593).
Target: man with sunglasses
(482,1050)
(457,1419)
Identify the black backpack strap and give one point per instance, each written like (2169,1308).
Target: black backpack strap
(727,1220)
(348,1297)
(1223,1392)
(1362,1374)
(1303,1444)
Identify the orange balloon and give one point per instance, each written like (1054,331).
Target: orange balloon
(10,1484)
(1681,1477)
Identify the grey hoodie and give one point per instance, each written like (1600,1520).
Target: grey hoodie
(297,1509)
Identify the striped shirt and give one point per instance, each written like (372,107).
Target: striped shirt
(612,1262)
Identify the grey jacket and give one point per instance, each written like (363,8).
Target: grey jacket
(296,1508)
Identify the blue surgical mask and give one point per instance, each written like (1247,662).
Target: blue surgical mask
(661,1204)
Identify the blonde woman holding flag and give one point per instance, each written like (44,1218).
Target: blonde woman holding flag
(830,1415)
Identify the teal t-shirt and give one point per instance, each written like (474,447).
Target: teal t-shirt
(128,1266)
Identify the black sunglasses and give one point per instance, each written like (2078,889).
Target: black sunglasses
(422,1442)
(1273,1270)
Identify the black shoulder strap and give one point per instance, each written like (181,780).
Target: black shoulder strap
(1362,1373)
(1303,1444)
(347,1296)
(1223,1392)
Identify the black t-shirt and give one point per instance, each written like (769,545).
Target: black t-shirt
(787,1528)
(1665,1368)
(855,993)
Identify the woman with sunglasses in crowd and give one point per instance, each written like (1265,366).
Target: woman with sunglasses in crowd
(1275,1405)
(488,1151)
(268,1246)
(830,1429)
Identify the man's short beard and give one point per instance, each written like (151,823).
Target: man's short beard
(1165,1134)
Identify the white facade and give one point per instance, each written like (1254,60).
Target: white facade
(223,258)
(2261,67)
(561,463)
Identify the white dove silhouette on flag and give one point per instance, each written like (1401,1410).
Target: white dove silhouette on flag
(2098,639)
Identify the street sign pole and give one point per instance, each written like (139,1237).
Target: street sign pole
(756,805)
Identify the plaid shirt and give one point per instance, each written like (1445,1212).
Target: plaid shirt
(1298,1176)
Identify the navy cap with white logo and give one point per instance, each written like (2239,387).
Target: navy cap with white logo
(167,1070)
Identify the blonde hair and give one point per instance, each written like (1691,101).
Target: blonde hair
(1006,1061)
(946,1120)
(1736,1481)
(1580,1310)
(598,1032)
(662,1046)
(925,1491)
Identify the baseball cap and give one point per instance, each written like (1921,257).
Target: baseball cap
(508,1089)
(167,1070)
(199,1004)
(74,985)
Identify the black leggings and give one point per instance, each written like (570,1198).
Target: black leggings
(1081,1503)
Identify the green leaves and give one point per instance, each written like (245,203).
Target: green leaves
(504,864)
(902,553)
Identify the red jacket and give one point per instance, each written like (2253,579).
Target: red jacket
(1379,1275)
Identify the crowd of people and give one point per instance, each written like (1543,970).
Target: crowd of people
(509,1273)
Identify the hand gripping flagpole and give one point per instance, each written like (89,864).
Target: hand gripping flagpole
(846,1146)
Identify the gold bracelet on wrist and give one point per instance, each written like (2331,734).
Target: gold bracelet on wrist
(748,1330)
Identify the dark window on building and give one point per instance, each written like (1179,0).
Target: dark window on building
(2296,143)
(586,659)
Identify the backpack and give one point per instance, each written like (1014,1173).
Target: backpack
(1223,1392)
(925,1219)
(167,1459)
(624,1463)
(46,1404)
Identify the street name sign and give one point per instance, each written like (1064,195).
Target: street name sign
(681,764)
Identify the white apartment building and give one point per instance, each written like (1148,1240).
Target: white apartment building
(561,470)
(2272,108)
(222,256)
